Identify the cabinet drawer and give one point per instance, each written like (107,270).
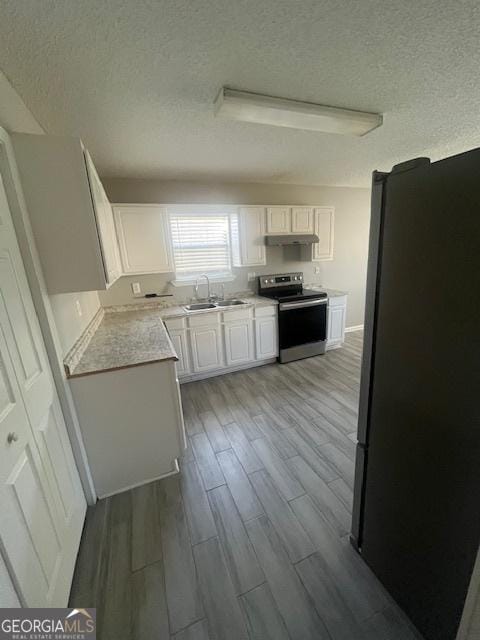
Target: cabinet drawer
(204,319)
(175,323)
(238,314)
(262,312)
(337,301)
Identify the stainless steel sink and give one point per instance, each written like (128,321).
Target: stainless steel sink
(199,306)
(229,303)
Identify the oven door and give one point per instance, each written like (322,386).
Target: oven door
(302,323)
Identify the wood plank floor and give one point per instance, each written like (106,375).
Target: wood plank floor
(250,541)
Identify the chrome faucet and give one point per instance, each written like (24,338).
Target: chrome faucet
(195,288)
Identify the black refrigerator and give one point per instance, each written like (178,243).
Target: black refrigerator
(416,516)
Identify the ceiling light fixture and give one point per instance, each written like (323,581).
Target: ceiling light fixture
(280,112)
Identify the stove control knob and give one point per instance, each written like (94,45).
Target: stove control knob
(272,280)
(295,277)
(299,277)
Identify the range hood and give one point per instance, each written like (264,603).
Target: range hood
(297,238)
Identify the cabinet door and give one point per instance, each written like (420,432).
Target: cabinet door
(144,238)
(323,227)
(238,342)
(336,325)
(278,220)
(206,348)
(302,220)
(105,224)
(266,337)
(179,341)
(251,232)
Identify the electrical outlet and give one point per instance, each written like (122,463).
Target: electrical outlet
(252,275)
(317,270)
(136,288)
(79,308)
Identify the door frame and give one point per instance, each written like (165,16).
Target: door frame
(41,301)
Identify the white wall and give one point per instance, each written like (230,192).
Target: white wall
(70,324)
(14,114)
(352,214)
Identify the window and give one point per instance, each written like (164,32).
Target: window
(201,244)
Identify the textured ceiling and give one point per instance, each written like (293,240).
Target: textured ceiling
(136,80)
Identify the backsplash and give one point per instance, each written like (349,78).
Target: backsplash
(279,260)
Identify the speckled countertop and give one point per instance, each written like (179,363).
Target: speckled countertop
(331,293)
(124,339)
(179,310)
(133,335)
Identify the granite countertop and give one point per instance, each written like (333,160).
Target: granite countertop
(124,339)
(179,310)
(331,293)
(132,335)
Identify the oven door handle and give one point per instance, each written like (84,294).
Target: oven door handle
(286,306)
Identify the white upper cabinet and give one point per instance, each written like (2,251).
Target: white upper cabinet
(71,217)
(324,218)
(279,220)
(104,217)
(302,219)
(144,238)
(248,237)
(290,220)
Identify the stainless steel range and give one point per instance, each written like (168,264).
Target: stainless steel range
(302,315)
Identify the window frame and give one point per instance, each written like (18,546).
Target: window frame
(202,210)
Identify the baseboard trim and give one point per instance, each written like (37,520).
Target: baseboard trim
(192,377)
(358,327)
(175,470)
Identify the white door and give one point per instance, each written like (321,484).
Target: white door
(179,341)
(266,337)
(278,220)
(105,224)
(238,342)
(206,348)
(323,226)
(252,236)
(144,238)
(302,220)
(42,504)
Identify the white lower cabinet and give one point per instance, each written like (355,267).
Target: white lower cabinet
(206,342)
(147,397)
(217,342)
(239,342)
(336,316)
(180,344)
(266,333)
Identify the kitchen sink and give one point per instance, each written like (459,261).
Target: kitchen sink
(199,306)
(229,303)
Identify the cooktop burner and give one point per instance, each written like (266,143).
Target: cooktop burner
(286,287)
(304,294)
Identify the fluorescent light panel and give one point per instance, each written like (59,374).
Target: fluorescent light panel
(279,112)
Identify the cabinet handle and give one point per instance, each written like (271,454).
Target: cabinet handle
(12,437)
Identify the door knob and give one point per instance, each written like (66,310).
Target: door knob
(12,437)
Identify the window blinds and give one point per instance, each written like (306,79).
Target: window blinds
(200,243)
